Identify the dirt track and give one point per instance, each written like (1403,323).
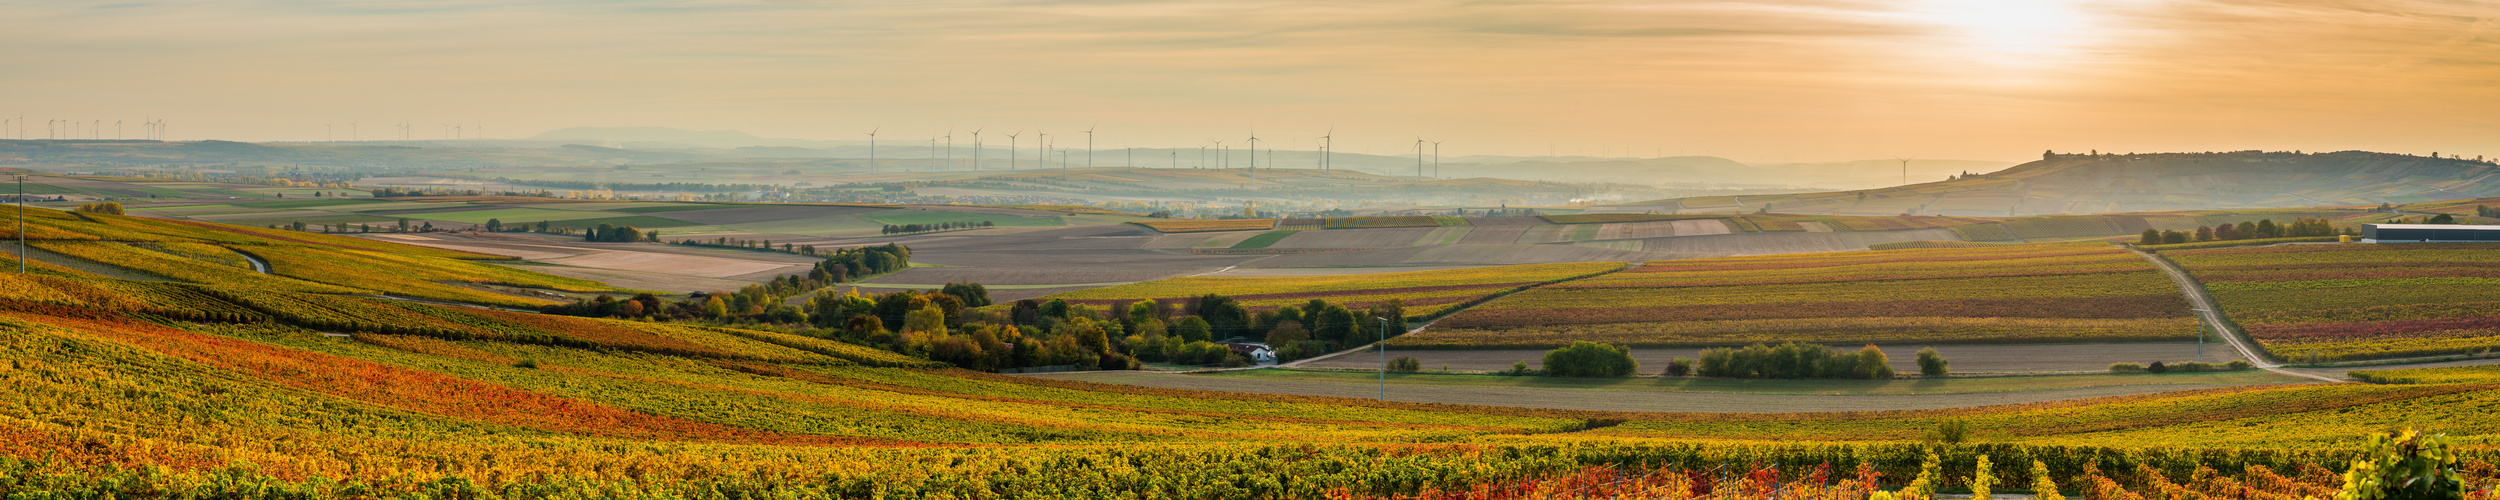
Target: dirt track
(1608,400)
(1964,358)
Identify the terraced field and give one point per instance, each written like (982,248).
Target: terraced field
(2028,294)
(2327,302)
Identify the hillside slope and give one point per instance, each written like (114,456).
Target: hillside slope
(2103,183)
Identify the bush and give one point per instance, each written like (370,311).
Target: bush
(2157,367)
(2126,368)
(1932,364)
(1679,367)
(2238,365)
(2405,466)
(1406,364)
(1519,369)
(1589,359)
(1949,431)
(1793,360)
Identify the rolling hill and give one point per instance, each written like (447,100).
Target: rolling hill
(2103,183)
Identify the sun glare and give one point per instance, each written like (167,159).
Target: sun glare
(2007,31)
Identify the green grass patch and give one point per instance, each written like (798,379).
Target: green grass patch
(901,217)
(666,208)
(638,221)
(1263,240)
(314,220)
(511,215)
(1968,385)
(329,202)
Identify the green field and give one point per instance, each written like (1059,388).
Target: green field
(900,217)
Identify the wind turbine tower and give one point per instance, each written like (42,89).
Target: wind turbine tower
(976,150)
(1905,170)
(872,149)
(1419,157)
(1436,159)
(1089,147)
(1011,151)
(1253,173)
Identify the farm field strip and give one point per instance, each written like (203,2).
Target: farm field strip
(2311,303)
(2032,294)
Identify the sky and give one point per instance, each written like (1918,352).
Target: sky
(1757,81)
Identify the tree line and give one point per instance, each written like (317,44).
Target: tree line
(942,226)
(2261,229)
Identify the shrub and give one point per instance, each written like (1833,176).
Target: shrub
(1406,364)
(2239,365)
(2158,367)
(1589,359)
(1679,367)
(1949,431)
(1793,360)
(1519,369)
(2126,368)
(1932,364)
(2404,466)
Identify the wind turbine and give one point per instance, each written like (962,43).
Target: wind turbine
(932,147)
(1436,159)
(1011,151)
(351,132)
(1041,151)
(1419,157)
(1223,155)
(1089,147)
(328,133)
(117,130)
(976,150)
(1326,140)
(1253,173)
(950,149)
(1905,170)
(872,149)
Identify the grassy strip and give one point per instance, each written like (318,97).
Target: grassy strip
(1263,240)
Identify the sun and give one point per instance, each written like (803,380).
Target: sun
(2010,31)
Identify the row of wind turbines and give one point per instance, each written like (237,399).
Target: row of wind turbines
(58,129)
(1324,162)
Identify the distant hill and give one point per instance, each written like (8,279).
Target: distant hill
(663,137)
(2104,183)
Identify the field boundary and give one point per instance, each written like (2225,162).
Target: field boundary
(2212,315)
(1447,313)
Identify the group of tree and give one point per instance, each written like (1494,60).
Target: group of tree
(767,302)
(1795,361)
(752,245)
(402,192)
(2261,229)
(2486,211)
(102,207)
(942,226)
(611,233)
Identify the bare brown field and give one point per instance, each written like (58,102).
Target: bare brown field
(1980,358)
(1788,242)
(685,265)
(766,213)
(1609,400)
(1355,238)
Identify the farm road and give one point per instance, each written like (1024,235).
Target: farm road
(2212,315)
(1608,400)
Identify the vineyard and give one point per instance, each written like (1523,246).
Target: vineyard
(1425,293)
(2328,302)
(296,387)
(2015,294)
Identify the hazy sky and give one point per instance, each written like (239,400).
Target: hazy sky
(1794,80)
